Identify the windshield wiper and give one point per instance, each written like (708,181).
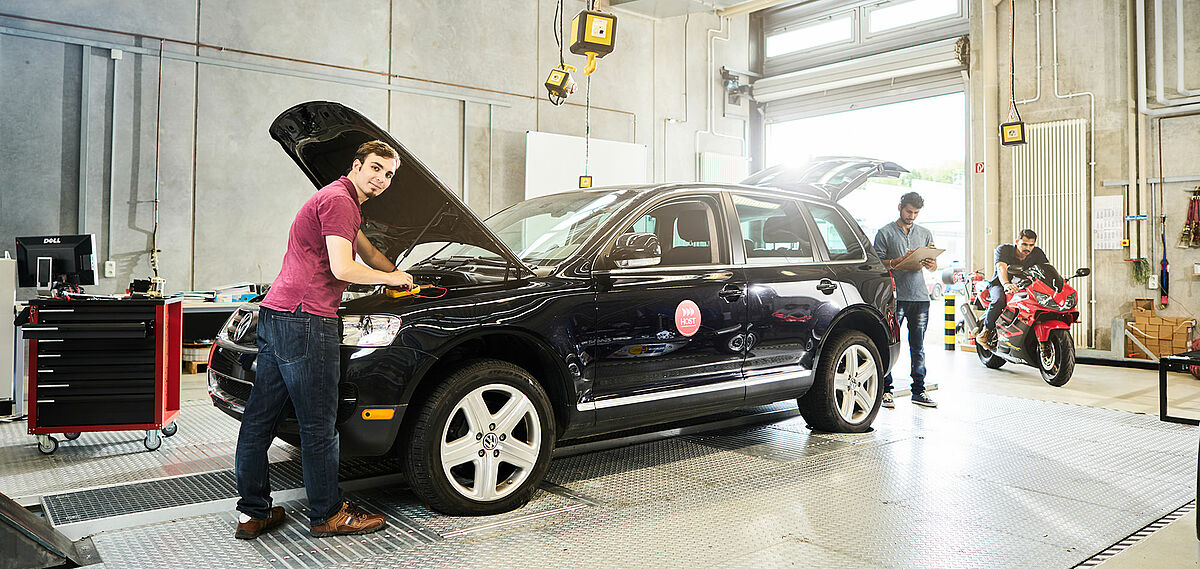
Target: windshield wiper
(455,262)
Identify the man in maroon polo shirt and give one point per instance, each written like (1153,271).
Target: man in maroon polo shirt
(298,349)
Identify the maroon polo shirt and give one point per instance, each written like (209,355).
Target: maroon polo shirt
(306,281)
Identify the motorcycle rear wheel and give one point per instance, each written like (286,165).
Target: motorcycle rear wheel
(1056,358)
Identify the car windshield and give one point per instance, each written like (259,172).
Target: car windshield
(542,231)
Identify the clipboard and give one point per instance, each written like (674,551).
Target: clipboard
(912,260)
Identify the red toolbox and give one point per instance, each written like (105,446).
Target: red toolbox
(103,365)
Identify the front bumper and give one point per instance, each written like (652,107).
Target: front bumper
(371,392)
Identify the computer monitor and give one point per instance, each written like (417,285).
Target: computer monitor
(46,260)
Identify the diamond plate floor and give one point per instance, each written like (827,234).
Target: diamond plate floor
(204,443)
(984,481)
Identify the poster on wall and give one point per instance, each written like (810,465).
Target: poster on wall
(1107,212)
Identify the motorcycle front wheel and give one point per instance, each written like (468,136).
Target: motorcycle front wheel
(1056,357)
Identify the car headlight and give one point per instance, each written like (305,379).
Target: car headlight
(1045,299)
(1070,302)
(370,330)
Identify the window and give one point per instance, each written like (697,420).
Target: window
(840,239)
(685,231)
(807,35)
(891,15)
(773,231)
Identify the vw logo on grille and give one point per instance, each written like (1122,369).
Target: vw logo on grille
(490,441)
(242,327)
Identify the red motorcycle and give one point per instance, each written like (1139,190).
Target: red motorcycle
(1035,327)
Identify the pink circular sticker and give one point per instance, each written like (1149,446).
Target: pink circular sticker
(687,318)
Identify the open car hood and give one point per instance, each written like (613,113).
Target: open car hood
(836,176)
(322,136)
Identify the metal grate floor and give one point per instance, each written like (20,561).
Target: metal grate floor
(983,481)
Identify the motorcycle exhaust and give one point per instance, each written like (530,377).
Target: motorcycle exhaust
(968,315)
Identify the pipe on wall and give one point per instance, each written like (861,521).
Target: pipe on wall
(1159,72)
(721,33)
(1037,18)
(990,70)
(1179,50)
(1144,106)
(1091,182)
(84,106)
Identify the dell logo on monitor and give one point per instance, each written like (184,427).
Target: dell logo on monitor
(51,240)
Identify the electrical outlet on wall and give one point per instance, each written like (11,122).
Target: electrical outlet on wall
(1153,282)
(110,269)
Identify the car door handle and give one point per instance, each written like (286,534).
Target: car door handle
(826,286)
(731,293)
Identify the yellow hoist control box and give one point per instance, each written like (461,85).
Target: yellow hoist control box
(593,33)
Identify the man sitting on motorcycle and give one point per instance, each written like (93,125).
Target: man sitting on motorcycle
(1020,255)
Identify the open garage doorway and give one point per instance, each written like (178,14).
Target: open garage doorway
(927,136)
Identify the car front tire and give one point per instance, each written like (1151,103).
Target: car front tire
(482,440)
(848,388)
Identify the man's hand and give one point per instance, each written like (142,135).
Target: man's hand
(399,279)
(1010,288)
(929,264)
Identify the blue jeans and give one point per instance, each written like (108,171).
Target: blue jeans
(298,359)
(997,300)
(917,315)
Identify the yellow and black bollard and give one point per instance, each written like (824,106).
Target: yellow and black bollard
(950,306)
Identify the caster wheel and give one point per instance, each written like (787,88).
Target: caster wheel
(170,430)
(47,444)
(152,440)
(71,436)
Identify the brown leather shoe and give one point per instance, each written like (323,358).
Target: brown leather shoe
(349,521)
(987,339)
(255,527)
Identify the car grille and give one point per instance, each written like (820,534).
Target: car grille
(232,390)
(237,393)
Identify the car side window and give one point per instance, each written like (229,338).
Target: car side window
(685,230)
(774,231)
(838,235)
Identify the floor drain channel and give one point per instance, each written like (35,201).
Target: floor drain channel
(1137,536)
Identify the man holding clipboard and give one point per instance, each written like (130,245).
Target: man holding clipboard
(906,248)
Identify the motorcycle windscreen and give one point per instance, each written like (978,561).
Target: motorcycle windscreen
(1046,273)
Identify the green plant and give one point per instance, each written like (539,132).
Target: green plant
(1141,270)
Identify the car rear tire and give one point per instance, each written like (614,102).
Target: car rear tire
(1056,360)
(848,388)
(481,442)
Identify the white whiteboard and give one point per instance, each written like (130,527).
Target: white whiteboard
(554,163)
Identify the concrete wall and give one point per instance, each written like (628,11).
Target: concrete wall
(1094,55)
(226,192)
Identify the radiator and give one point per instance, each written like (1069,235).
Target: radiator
(1050,196)
(723,168)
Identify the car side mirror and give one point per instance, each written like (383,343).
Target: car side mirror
(636,250)
(1083,272)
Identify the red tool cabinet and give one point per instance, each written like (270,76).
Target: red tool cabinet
(103,365)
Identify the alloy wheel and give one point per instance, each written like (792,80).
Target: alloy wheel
(491,442)
(855,383)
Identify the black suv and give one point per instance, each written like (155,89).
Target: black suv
(585,312)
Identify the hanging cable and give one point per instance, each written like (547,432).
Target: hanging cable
(559,83)
(587,125)
(157,129)
(1012,71)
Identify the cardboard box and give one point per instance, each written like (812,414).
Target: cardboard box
(1143,306)
(1161,335)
